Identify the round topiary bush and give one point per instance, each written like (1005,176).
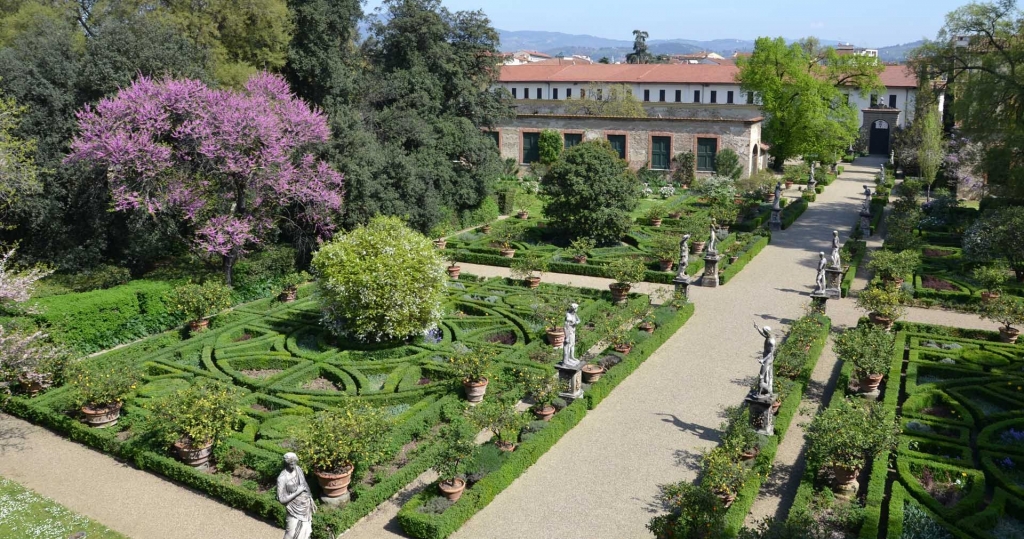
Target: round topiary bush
(380,282)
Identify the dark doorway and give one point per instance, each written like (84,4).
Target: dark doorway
(878,141)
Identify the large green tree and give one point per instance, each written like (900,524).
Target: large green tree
(800,87)
(606,100)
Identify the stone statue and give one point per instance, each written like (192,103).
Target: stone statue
(819,280)
(713,240)
(569,347)
(684,257)
(867,193)
(766,378)
(778,195)
(835,250)
(811,181)
(294,493)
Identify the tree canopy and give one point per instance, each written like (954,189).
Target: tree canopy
(606,100)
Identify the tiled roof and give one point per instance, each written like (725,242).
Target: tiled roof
(898,77)
(622,73)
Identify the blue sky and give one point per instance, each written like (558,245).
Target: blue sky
(872,23)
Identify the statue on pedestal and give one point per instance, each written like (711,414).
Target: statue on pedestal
(778,195)
(294,493)
(569,348)
(867,194)
(713,240)
(811,181)
(766,378)
(684,257)
(835,250)
(819,280)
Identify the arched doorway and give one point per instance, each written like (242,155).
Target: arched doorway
(878,139)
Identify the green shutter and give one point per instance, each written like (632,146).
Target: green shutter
(660,152)
(531,149)
(618,143)
(706,150)
(572,139)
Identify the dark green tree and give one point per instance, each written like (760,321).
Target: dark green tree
(640,55)
(550,146)
(323,50)
(727,163)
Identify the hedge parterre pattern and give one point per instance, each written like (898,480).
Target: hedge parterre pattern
(289,367)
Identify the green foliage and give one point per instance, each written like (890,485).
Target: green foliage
(331,441)
(1006,310)
(472,365)
(550,145)
(848,434)
(991,277)
(665,247)
(901,227)
(581,246)
(294,279)
(888,300)
(612,100)
(380,282)
(455,446)
(591,192)
(98,383)
(997,234)
(201,413)
(627,270)
(727,164)
(508,231)
(26,512)
(694,511)
(500,417)
(98,278)
(932,151)
(16,163)
(197,301)
(891,265)
(539,385)
(868,347)
(528,264)
(686,168)
(655,211)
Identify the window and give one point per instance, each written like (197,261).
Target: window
(568,93)
(494,137)
(531,149)
(600,94)
(728,97)
(661,95)
(618,143)
(696,96)
(679,96)
(892,101)
(572,139)
(526,93)
(660,152)
(540,93)
(706,150)
(874,99)
(514,93)
(714,96)
(583,93)
(750,98)
(647,95)
(554,93)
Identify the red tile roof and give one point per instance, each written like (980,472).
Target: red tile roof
(898,77)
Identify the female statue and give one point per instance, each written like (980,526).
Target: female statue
(294,493)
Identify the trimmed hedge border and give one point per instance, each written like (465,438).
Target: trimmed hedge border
(752,250)
(861,248)
(792,211)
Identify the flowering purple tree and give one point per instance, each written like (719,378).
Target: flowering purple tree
(228,163)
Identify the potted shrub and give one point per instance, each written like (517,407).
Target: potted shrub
(500,417)
(580,247)
(697,226)
(870,350)
(523,202)
(722,475)
(453,269)
(196,417)
(626,271)
(195,302)
(738,437)
(1008,311)
(841,438)
(290,285)
(507,233)
(553,313)
(892,266)
(527,267)
(621,341)
(734,252)
(991,278)
(472,367)
(454,443)
(100,387)
(440,231)
(885,303)
(646,317)
(655,214)
(335,443)
(540,387)
(665,248)
(485,228)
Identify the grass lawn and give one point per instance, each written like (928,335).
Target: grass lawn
(25,514)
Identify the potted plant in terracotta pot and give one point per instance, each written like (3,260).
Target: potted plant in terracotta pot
(738,437)
(500,417)
(734,252)
(655,214)
(196,417)
(991,278)
(552,312)
(440,232)
(523,202)
(290,285)
(539,385)
(646,317)
(885,303)
(100,387)
(453,269)
(454,442)
(844,436)
(626,271)
(870,350)
(697,226)
(528,268)
(723,475)
(895,267)
(195,302)
(665,248)
(338,443)
(472,366)
(621,339)
(485,228)
(507,233)
(580,248)
(592,372)
(1008,311)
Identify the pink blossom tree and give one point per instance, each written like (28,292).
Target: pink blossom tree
(228,163)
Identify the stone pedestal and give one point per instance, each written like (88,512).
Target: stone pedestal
(570,380)
(682,284)
(775,221)
(865,223)
(818,302)
(337,501)
(811,185)
(833,280)
(762,420)
(710,278)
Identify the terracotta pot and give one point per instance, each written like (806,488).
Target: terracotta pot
(441,243)
(870,382)
(989,296)
(334,485)
(789,185)
(101,416)
(770,197)
(523,215)
(545,413)
(556,337)
(486,229)
(475,390)
(532,282)
(452,492)
(749,453)
(454,271)
(844,477)
(191,455)
(899,281)
(646,326)
(1008,335)
(675,215)
(288,295)
(196,326)
(507,447)
(697,247)
(592,373)
(733,259)
(32,387)
(623,348)
(880,320)
(619,292)
(727,498)
(508,253)
(665,264)
(656,222)
(580,259)
(775,407)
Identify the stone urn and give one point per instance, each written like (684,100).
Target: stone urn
(454,490)
(989,296)
(287,295)
(532,281)
(733,258)
(1008,335)
(102,415)
(440,243)
(334,485)
(619,291)
(507,447)
(556,336)
(623,348)
(192,455)
(486,229)
(647,327)
(675,215)
(870,382)
(475,390)
(844,478)
(592,373)
(454,271)
(580,259)
(880,320)
(697,247)
(789,184)
(749,454)
(656,222)
(545,413)
(508,253)
(665,264)
(196,326)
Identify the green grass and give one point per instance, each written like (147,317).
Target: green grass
(27,515)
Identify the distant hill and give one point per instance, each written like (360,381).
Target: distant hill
(898,53)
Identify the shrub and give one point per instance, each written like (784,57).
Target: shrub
(686,168)
(524,267)
(454,443)
(200,413)
(888,300)
(991,277)
(1006,310)
(867,347)
(581,246)
(500,417)
(294,279)
(195,302)
(99,278)
(656,211)
(380,282)
(549,143)
(997,234)
(694,512)
(331,441)
(259,274)
(472,366)
(627,270)
(892,265)
(848,434)
(665,247)
(798,173)
(591,193)
(900,229)
(98,383)
(727,164)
